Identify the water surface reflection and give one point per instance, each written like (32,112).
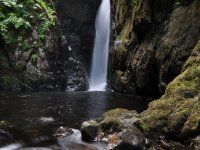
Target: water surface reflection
(67,108)
(33,119)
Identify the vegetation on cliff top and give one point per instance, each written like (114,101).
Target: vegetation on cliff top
(26,35)
(20,19)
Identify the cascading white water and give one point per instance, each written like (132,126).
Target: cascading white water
(98,76)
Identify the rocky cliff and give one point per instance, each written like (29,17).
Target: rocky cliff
(34,55)
(151,42)
(77,21)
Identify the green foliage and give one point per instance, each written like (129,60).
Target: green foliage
(34,58)
(18,19)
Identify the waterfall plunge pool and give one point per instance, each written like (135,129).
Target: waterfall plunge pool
(31,119)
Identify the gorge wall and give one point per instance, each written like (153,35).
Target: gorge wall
(77,21)
(34,54)
(151,42)
(62,62)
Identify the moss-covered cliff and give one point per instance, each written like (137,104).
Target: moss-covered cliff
(151,42)
(177,112)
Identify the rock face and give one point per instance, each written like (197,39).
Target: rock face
(177,112)
(49,69)
(77,20)
(38,58)
(152,41)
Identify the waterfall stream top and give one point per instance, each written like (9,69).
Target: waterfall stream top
(98,76)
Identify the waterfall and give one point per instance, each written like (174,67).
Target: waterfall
(98,76)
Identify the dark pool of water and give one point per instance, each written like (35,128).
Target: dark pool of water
(24,116)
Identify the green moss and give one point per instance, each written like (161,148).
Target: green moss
(116,119)
(179,108)
(121,114)
(180,114)
(193,121)
(188,81)
(110,124)
(115,112)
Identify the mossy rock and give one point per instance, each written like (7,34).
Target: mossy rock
(179,108)
(110,125)
(115,112)
(126,118)
(115,120)
(89,130)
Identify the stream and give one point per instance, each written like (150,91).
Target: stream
(43,121)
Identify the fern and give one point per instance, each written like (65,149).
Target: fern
(20,17)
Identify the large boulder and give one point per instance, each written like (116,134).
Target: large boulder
(116,128)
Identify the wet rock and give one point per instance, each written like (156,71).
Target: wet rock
(63,131)
(89,130)
(163,143)
(77,20)
(74,142)
(5,137)
(195,143)
(117,128)
(76,76)
(130,138)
